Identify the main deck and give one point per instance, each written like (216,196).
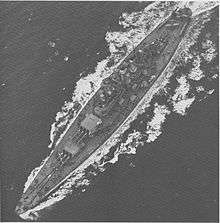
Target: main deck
(117,97)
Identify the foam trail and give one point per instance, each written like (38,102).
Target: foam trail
(199,7)
(144,22)
(154,126)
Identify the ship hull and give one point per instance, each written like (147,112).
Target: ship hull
(81,145)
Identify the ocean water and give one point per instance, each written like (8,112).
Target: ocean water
(164,167)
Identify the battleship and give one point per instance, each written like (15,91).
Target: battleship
(117,96)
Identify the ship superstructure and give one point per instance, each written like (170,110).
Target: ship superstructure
(117,97)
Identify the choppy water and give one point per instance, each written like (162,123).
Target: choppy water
(189,80)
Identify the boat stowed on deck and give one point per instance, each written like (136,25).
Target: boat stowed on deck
(117,97)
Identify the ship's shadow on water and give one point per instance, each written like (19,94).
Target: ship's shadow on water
(173,178)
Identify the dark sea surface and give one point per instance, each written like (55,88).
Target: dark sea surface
(175,178)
